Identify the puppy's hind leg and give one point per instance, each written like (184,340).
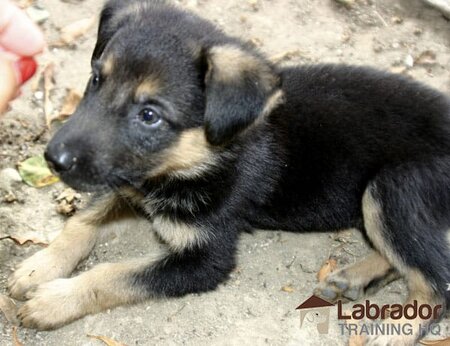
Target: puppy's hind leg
(406,215)
(358,279)
(61,257)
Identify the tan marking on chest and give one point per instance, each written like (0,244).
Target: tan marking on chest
(178,236)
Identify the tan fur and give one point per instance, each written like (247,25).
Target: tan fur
(178,236)
(419,288)
(352,282)
(228,63)
(72,245)
(273,101)
(364,271)
(374,227)
(61,301)
(133,10)
(147,89)
(108,65)
(188,157)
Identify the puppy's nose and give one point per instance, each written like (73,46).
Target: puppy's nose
(60,158)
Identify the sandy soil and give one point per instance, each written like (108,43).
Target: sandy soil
(252,308)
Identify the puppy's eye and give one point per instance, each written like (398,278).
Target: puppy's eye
(95,80)
(149,116)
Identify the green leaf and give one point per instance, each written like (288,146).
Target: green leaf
(35,172)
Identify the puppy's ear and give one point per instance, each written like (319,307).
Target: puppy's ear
(113,13)
(240,87)
(105,29)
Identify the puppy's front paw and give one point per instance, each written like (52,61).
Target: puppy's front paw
(53,304)
(42,267)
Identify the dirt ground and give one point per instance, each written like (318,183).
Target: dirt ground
(276,270)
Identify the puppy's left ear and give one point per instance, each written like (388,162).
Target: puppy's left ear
(241,87)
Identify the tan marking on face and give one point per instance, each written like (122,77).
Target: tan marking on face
(146,89)
(228,64)
(190,156)
(177,235)
(108,65)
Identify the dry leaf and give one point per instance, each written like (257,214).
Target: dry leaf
(67,202)
(69,195)
(9,309)
(48,87)
(35,172)
(27,237)
(65,208)
(356,340)
(442,342)
(76,29)
(427,57)
(70,104)
(329,267)
(288,289)
(106,340)
(16,341)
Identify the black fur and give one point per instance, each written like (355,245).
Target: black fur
(303,167)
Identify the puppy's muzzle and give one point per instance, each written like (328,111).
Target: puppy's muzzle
(60,157)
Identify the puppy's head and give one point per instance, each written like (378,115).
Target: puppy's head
(167,91)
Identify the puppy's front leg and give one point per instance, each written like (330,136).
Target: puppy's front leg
(62,256)
(192,270)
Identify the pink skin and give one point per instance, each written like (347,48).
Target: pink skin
(18,34)
(19,37)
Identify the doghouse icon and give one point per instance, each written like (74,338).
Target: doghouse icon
(316,310)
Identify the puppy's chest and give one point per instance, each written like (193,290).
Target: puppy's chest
(174,217)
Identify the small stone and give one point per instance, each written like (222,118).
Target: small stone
(418,31)
(397,20)
(9,177)
(254,4)
(10,197)
(39,95)
(409,61)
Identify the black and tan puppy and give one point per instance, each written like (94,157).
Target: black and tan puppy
(207,139)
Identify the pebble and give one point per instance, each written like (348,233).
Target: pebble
(409,61)
(9,177)
(39,95)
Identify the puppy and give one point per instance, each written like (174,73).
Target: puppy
(207,139)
